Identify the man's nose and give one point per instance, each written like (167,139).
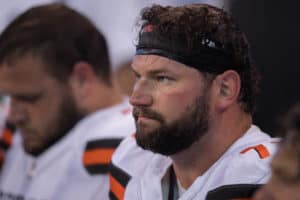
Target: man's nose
(141,96)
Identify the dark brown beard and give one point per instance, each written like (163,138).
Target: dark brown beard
(172,138)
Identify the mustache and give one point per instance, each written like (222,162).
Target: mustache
(146,112)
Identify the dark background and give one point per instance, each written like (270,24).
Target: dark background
(273,30)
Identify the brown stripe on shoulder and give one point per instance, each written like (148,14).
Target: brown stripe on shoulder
(233,192)
(11,127)
(103,143)
(1,158)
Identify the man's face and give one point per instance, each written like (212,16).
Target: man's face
(285,180)
(170,104)
(42,108)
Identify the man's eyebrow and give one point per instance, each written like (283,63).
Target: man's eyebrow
(22,95)
(157,71)
(153,71)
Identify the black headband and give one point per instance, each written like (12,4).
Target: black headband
(205,57)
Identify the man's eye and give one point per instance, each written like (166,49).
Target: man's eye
(29,99)
(136,76)
(163,79)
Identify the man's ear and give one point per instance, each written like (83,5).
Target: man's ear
(228,88)
(81,79)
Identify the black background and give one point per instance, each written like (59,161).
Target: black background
(273,30)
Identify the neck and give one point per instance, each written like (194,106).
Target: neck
(200,156)
(103,96)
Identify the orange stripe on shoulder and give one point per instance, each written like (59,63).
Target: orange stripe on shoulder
(7,136)
(98,156)
(116,188)
(261,149)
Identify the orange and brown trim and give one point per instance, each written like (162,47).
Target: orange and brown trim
(7,136)
(1,158)
(98,153)
(233,192)
(118,179)
(260,149)
(6,139)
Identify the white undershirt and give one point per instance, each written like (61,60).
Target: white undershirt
(181,189)
(178,189)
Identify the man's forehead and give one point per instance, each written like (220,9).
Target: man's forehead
(23,63)
(23,77)
(22,73)
(155,62)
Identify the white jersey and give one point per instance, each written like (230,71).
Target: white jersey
(237,173)
(74,168)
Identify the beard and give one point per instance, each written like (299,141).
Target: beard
(65,120)
(178,135)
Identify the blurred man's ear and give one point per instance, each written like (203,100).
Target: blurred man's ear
(228,88)
(81,79)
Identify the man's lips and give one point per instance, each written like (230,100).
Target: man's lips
(144,114)
(143,117)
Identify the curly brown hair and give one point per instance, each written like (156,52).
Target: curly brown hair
(190,27)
